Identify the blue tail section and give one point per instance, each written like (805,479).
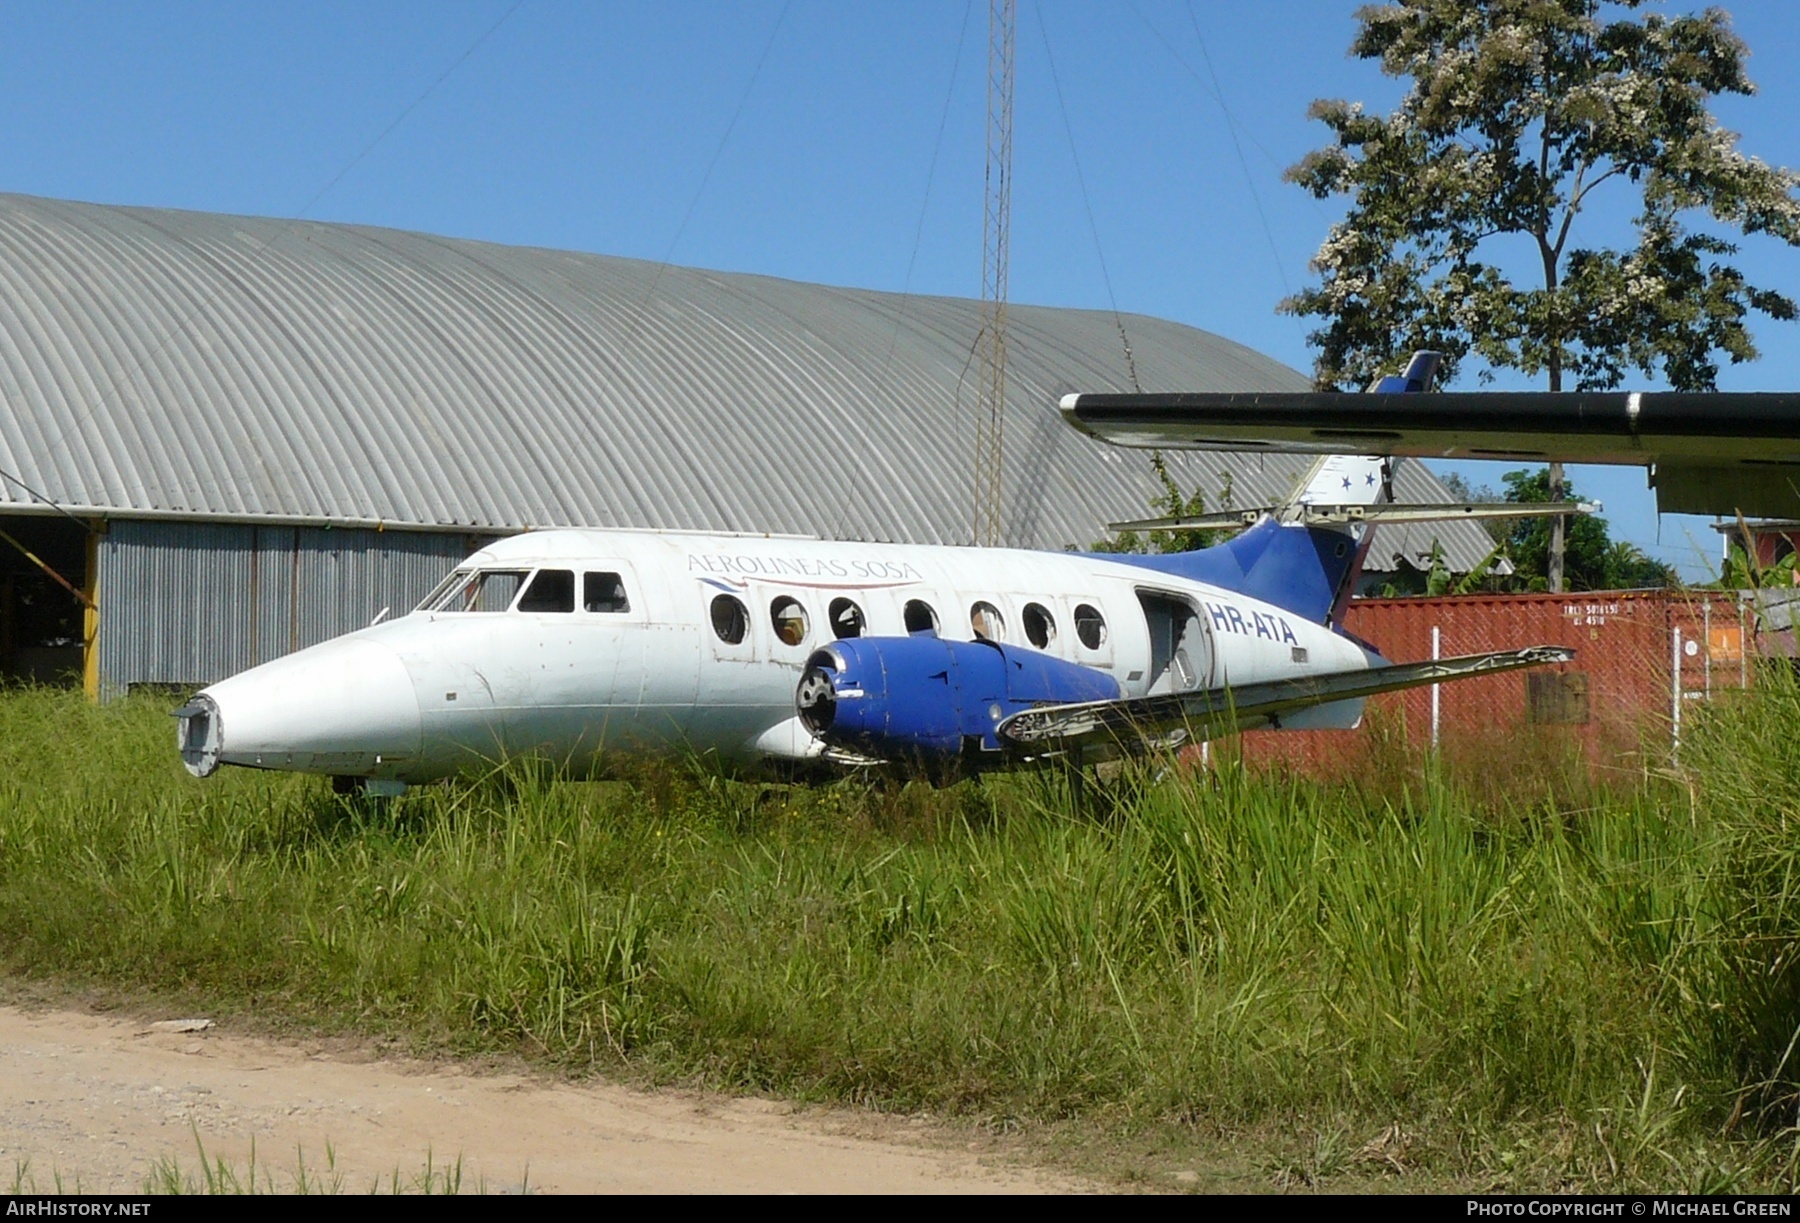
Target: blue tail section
(1296,568)
(1302,569)
(1421,373)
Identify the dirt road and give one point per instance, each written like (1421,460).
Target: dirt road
(101,1100)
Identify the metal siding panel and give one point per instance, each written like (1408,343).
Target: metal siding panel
(347,576)
(190,603)
(275,591)
(174,603)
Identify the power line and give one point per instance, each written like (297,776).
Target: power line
(930,178)
(1231,126)
(725,139)
(918,231)
(404,114)
(1088,203)
(1211,86)
(37,496)
(1212,89)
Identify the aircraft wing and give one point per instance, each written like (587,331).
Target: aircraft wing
(1216,711)
(1378,513)
(1710,453)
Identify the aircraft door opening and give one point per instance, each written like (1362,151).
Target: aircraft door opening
(614,619)
(1181,654)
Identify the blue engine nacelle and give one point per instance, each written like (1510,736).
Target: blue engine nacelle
(907,698)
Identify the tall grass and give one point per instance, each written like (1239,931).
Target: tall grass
(1543,985)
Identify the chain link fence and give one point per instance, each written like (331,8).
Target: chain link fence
(1644,661)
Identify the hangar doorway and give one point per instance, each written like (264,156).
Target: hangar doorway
(43,624)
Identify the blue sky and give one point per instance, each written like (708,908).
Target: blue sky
(809,139)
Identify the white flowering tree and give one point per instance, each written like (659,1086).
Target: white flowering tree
(1521,116)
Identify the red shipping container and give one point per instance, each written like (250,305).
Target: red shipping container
(1615,703)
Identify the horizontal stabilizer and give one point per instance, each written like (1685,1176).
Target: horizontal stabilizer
(1710,453)
(1324,515)
(1193,716)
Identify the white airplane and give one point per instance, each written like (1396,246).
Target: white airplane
(572,644)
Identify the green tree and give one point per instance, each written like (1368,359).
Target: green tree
(1461,490)
(1593,560)
(1436,579)
(1740,570)
(1169,503)
(1518,113)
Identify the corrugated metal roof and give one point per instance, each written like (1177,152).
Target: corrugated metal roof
(162,362)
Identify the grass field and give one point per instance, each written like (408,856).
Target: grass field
(1548,984)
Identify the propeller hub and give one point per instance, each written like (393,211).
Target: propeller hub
(816,698)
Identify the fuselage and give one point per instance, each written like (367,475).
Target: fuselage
(572,644)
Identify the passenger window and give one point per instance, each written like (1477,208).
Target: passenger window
(789,619)
(730,619)
(604,592)
(484,590)
(846,619)
(1090,626)
(919,617)
(552,590)
(987,622)
(1040,625)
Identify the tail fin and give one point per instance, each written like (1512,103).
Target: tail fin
(1343,479)
(1306,554)
(1348,479)
(1297,568)
(1420,376)
(1289,558)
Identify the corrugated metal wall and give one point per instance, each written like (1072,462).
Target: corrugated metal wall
(190,603)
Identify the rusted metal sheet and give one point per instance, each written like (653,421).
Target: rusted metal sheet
(1642,659)
(190,603)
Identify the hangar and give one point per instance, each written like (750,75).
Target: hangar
(223,438)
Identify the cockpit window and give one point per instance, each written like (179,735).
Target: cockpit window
(478,590)
(442,590)
(552,590)
(604,592)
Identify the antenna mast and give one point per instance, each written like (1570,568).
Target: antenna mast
(991,407)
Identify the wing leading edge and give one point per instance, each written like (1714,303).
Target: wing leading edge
(1711,453)
(1393,511)
(1193,716)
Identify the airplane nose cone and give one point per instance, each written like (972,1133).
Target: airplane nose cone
(343,707)
(197,735)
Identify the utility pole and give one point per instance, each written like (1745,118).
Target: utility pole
(1558,538)
(991,406)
